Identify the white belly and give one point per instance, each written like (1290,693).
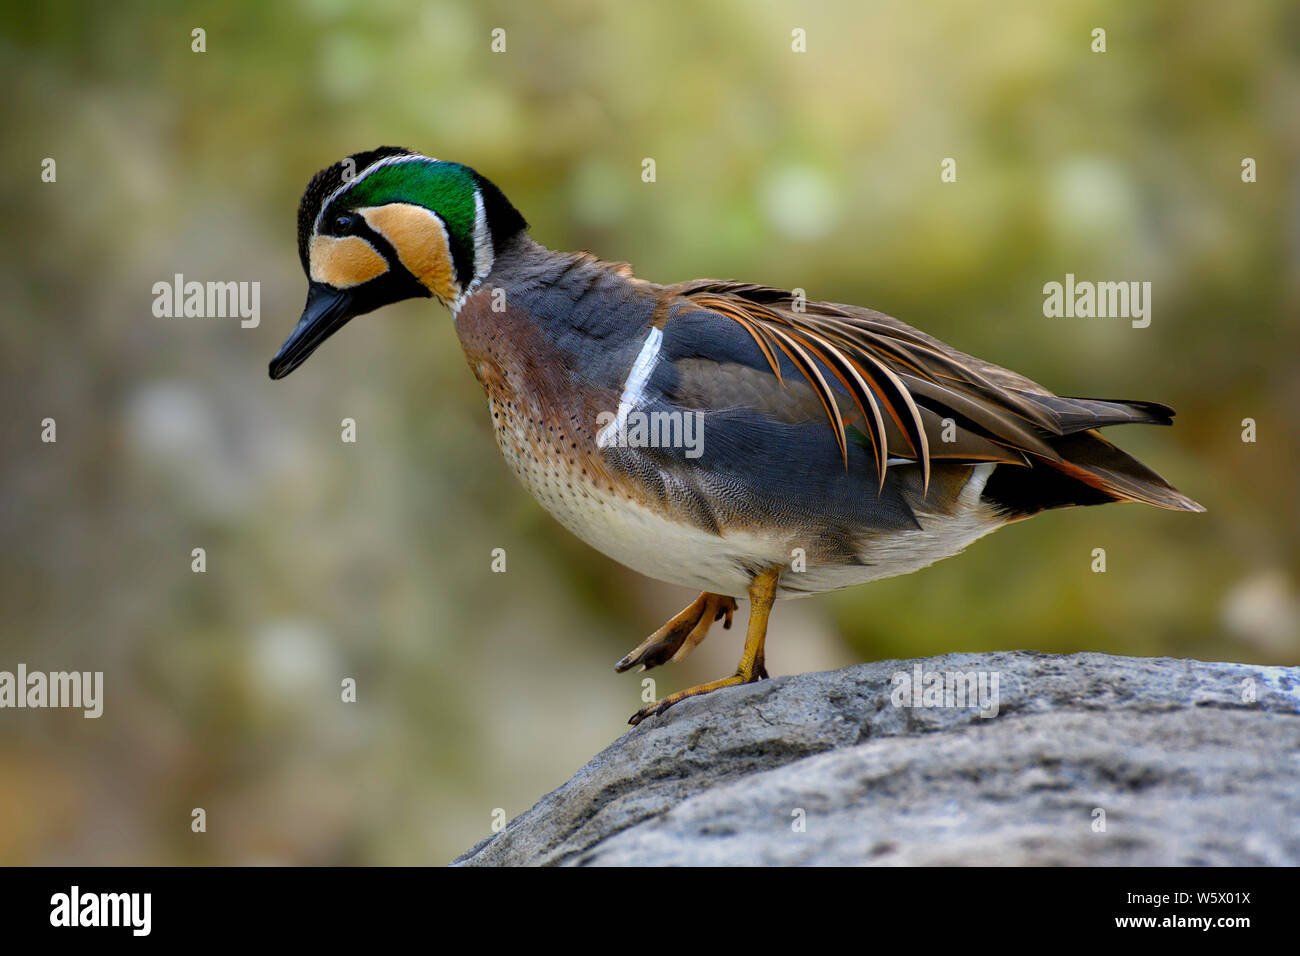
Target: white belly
(680,553)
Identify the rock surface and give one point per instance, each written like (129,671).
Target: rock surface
(1185,762)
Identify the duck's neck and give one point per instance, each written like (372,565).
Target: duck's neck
(572,298)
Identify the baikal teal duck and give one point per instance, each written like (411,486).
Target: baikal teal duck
(725,436)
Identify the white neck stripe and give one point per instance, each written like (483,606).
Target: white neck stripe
(484,256)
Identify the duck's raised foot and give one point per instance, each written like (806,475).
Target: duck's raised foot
(679,636)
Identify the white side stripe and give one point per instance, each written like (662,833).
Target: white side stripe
(634,389)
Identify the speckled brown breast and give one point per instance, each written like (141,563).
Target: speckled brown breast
(545,428)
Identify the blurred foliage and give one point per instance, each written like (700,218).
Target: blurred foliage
(818,170)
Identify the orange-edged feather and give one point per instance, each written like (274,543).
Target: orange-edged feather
(891,372)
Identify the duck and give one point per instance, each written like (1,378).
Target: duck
(730,437)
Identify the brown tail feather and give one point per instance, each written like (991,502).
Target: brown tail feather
(1080,414)
(1090,471)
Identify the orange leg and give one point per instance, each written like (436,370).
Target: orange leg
(762,592)
(679,636)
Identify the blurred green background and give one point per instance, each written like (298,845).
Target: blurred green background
(479,691)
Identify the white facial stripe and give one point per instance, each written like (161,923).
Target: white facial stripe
(386,161)
(634,389)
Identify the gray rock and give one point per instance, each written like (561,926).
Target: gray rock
(1189,762)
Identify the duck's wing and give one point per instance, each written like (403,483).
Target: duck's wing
(903,395)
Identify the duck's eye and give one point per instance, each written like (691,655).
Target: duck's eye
(342,222)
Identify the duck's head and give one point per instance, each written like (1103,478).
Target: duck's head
(386,225)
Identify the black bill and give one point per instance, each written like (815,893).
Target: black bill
(327,310)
